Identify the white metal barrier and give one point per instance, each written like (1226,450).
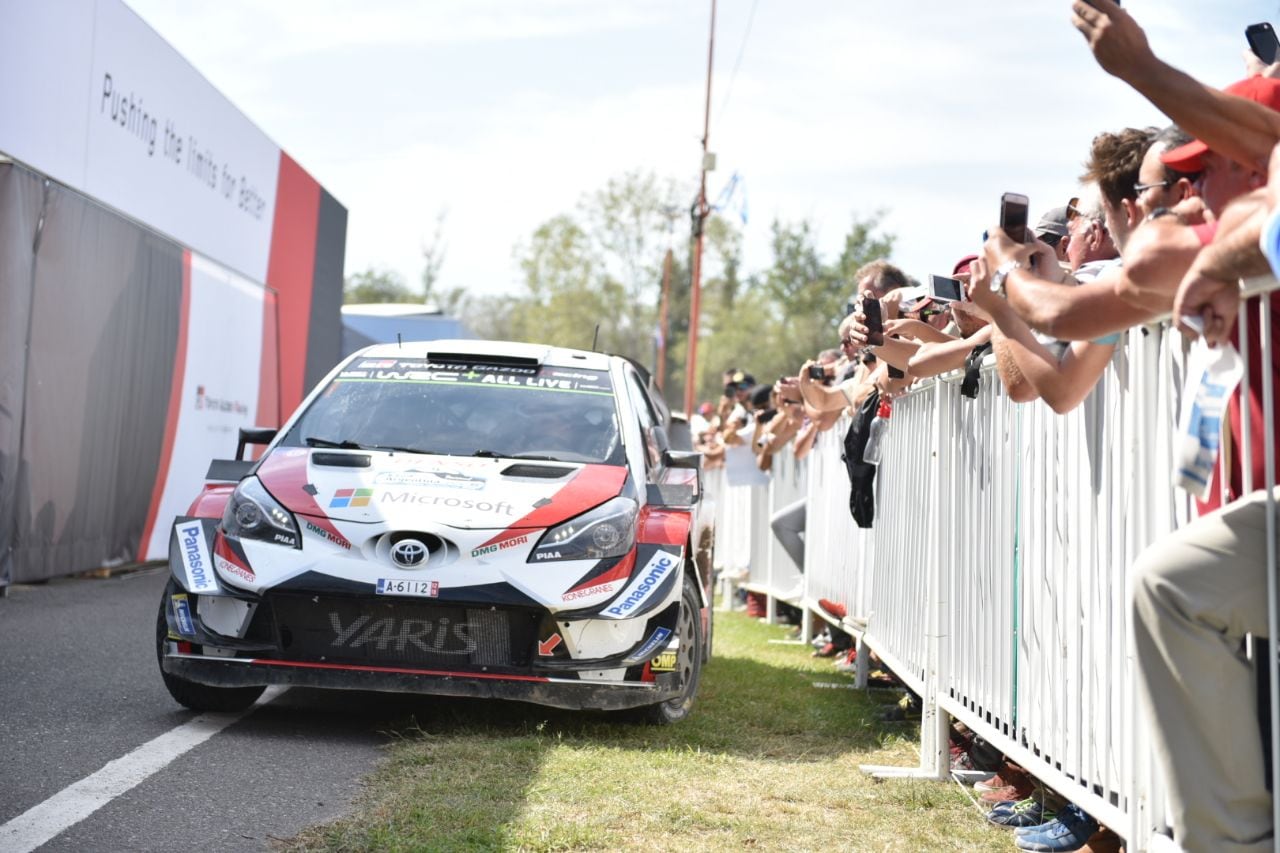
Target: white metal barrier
(993,581)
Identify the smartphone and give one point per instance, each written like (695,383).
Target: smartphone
(1013,216)
(1095,5)
(817,372)
(875,325)
(1262,40)
(945,289)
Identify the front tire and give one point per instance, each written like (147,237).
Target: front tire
(192,694)
(688,661)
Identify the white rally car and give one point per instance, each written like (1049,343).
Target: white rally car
(467,518)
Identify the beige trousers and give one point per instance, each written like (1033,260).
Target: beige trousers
(1195,595)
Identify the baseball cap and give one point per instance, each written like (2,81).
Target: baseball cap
(1264,90)
(1053,222)
(962,265)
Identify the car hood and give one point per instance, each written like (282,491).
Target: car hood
(406,490)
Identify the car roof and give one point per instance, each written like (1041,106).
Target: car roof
(500,351)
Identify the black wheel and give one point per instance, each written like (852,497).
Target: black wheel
(688,661)
(196,696)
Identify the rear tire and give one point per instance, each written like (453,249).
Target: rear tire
(688,661)
(192,694)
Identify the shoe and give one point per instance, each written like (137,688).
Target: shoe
(850,661)
(1024,813)
(827,651)
(1103,841)
(1007,775)
(1017,791)
(833,608)
(1072,830)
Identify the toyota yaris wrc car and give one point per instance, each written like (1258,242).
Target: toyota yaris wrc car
(465,518)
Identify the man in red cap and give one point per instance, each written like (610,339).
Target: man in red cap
(1198,592)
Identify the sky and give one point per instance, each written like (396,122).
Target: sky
(500,114)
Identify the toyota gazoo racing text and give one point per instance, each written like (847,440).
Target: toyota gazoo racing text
(456,517)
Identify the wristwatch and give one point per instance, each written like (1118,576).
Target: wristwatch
(1002,272)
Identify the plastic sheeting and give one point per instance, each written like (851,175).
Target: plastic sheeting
(95,300)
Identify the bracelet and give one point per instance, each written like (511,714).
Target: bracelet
(1165,211)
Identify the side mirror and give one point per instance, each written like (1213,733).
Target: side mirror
(660,438)
(681,459)
(254,435)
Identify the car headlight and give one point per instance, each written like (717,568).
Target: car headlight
(609,530)
(252,513)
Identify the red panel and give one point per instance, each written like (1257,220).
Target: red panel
(663,527)
(211,501)
(284,473)
(592,485)
(269,413)
(175,405)
(289,271)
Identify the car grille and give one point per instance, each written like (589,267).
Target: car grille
(364,631)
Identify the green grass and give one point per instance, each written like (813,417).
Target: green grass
(766,761)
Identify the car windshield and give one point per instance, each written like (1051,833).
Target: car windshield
(563,414)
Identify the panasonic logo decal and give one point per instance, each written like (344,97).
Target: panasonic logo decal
(658,567)
(195,557)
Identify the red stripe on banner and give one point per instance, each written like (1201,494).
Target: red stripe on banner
(395,669)
(175,406)
(269,413)
(290,270)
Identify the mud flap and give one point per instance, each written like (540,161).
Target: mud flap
(191,555)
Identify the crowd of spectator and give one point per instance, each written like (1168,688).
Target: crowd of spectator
(1162,222)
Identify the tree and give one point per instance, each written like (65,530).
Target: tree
(374,285)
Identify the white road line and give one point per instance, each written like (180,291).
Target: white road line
(41,823)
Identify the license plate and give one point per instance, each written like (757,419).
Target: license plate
(397,586)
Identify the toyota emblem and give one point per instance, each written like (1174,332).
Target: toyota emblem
(409,553)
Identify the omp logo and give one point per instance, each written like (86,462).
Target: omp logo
(195,557)
(656,569)
(439,637)
(343,498)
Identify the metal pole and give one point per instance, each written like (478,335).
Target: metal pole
(695,291)
(662,323)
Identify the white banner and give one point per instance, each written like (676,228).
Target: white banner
(94,98)
(220,376)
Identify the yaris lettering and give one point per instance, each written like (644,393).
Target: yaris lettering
(660,564)
(440,637)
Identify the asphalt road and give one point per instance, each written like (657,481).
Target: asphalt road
(80,687)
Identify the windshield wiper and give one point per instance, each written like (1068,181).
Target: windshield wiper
(345,444)
(490,454)
(348,444)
